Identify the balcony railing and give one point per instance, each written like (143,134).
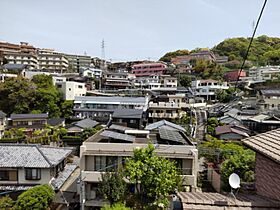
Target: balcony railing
(164,115)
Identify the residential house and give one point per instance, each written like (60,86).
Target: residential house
(233,76)
(79,126)
(12,71)
(29,121)
(101,108)
(133,118)
(267,167)
(156,82)
(268,99)
(71,89)
(59,122)
(148,69)
(231,132)
(109,148)
(115,80)
(208,88)
(91,72)
(168,107)
(264,73)
(262,123)
(229,120)
(23,166)
(216,201)
(165,125)
(2,123)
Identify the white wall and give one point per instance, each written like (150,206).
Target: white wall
(71,89)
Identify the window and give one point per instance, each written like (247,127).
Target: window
(32,174)
(4,175)
(105,163)
(80,86)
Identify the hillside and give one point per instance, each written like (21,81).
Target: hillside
(265,50)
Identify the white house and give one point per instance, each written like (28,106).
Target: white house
(91,72)
(208,88)
(70,89)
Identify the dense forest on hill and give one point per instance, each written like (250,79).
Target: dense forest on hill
(265,50)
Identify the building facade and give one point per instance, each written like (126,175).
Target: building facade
(148,69)
(71,89)
(52,61)
(99,154)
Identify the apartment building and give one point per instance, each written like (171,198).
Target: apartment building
(155,82)
(148,69)
(167,107)
(264,73)
(22,53)
(208,88)
(52,61)
(23,166)
(110,148)
(12,71)
(71,89)
(101,108)
(76,62)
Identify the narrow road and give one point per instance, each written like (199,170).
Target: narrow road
(201,118)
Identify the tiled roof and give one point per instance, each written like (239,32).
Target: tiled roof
(164,124)
(128,113)
(28,116)
(86,123)
(204,200)
(63,176)
(231,129)
(31,156)
(267,144)
(55,121)
(271,92)
(11,66)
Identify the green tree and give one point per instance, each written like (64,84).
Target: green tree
(185,80)
(158,176)
(168,56)
(38,197)
(242,164)
(66,108)
(16,95)
(117,206)
(6,203)
(112,186)
(47,95)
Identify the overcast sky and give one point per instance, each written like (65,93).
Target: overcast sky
(132,29)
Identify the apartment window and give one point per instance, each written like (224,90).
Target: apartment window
(32,174)
(4,175)
(105,163)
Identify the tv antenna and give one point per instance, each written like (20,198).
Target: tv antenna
(103,49)
(234,182)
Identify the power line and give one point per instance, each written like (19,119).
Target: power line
(250,44)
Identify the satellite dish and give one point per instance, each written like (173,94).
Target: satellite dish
(234,181)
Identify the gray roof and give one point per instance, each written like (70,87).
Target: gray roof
(31,156)
(171,135)
(114,99)
(11,66)
(268,144)
(2,114)
(28,116)
(164,124)
(120,127)
(55,121)
(86,123)
(128,113)
(63,176)
(271,92)
(116,135)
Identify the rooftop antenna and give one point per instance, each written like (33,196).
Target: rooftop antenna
(234,182)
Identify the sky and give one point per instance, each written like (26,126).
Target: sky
(132,29)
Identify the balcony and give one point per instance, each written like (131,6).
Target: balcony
(169,105)
(164,115)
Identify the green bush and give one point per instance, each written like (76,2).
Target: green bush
(6,203)
(118,206)
(38,198)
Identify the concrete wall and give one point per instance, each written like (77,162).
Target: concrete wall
(267,177)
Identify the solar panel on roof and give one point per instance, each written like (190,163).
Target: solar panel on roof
(171,136)
(116,135)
